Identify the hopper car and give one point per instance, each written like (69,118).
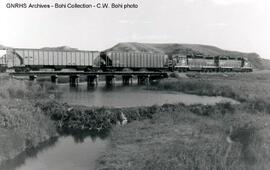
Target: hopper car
(3,65)
(134,61)
(36,59)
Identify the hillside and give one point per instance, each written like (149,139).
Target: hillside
(2,47)
(60,48)
(186,49)
(266,64)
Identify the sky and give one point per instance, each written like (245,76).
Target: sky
(238,25)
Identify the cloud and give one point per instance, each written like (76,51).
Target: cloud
(229,2)
(191,0)
(149,37)
(144,38)
(132,22)
(126,21)
(221,24)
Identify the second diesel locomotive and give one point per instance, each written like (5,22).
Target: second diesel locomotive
(204,63)
(36,59)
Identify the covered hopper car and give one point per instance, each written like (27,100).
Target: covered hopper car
(133,61)
(3,65)
(35,59)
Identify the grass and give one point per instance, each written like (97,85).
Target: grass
(223,136)
(176,138)
(239,86)
(22,125)
(198,87)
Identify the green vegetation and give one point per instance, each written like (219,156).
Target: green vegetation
(243,87)
(22,125)
(223,136)
(198,87)
(176,138)
(85,118)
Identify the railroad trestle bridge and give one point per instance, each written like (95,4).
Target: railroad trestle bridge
(92,77)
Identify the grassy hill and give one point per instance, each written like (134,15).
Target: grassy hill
(2,46)
(60,48)
(266,63)
(187,49)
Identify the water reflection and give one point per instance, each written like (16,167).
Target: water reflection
(80,135)
(30,153)
(78,149)
(128,96)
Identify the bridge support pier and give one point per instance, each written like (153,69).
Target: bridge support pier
(54,78)
(33,77)
(74,80)
(152,79)
(144,80)
(110,80)
(92,80)
(127,80)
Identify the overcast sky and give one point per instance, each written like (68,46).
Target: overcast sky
(241,25)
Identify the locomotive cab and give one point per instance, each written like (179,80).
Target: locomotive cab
(246,65)
(180,62)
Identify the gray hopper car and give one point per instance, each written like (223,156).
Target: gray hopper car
(36,59)
(135,61)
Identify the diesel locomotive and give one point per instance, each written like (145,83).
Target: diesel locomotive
(37,59)
(199,62)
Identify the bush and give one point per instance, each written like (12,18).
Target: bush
(220,109)
(257,105)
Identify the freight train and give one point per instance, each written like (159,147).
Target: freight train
(37,59)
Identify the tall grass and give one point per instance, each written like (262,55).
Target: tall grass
(11,89)
(223,136)
(198,87)
(242,87)
(22,125)
(181,137)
